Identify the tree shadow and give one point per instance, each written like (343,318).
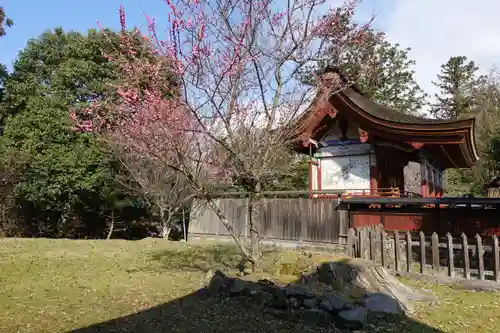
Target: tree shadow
(244,312)
(200,258)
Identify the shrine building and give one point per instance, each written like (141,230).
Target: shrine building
(362,148)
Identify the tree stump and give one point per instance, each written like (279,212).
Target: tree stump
(362,276)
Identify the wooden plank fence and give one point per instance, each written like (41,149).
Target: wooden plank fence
(466,257)
(285,219)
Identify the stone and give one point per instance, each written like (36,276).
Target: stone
(263,298)
(355,318)
(337,302)
(315,317)
(278,301)
(268,286)
(310,303)
(325,305)
(238,287)
(217,284)
(293,303)
(297,292)
(382,303)
(326,273)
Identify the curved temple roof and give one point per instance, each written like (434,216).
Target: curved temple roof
(450,142)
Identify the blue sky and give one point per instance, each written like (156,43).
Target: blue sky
(434,29)
(32,17)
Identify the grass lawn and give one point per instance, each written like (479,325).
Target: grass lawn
(150,286)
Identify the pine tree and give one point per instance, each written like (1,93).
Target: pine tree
(458,82)
(381,69)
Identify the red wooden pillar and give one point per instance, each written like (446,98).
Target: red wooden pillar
(424,184)
(373,179)
(310,176)
(432,182)
(318,175)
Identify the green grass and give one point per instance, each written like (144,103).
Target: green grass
(150,286)
(458,310)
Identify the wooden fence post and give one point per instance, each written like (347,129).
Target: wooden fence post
(373,245)
(435,252)
(361,241)
(383,256)
(451,263)
(397,249)
(422,252)
(465,249)
(496,259)
(351,238)
(480,257)
(409,254)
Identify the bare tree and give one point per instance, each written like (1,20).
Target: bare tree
(165,191)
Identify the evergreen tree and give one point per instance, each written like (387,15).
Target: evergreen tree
(4,21)
(381,69)
(66,175)
(458,83)
(464,93)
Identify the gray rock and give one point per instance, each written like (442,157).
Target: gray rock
(326,273)
(293,303)
(217,284)
(337,302)
(238,287)
(263,298)
(325,305)
(278,301)
(315,317)
(355,318)
(268,286)
(297,292)
(382,303)
(310,303)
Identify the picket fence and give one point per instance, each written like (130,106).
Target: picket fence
(468,257)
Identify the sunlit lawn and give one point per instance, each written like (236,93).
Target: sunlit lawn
(62,285)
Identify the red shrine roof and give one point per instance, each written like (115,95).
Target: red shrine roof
(450,142)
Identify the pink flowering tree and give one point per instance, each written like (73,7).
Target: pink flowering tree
(229,118)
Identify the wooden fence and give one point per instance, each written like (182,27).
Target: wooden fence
(415,252)
(285,219)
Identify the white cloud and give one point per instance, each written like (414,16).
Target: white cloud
(438,29)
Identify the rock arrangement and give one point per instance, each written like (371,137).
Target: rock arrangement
(298,302)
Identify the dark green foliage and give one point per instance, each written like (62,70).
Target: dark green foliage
(381,69)
(459,84)
(68,187)
(464,93)
(4,22)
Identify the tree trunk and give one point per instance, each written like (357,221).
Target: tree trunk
(367,276)
(165,224)
(112,226)
(213,205)
(253,223)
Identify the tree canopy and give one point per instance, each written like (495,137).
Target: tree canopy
(380,68)
(67,174)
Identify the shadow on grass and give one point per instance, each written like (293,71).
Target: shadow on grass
(198,312)
(195,258)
